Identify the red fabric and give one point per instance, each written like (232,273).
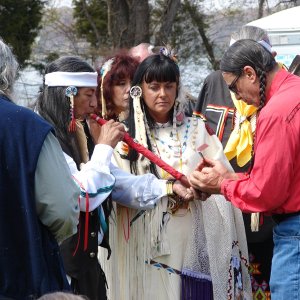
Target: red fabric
(273,185)
(148,154)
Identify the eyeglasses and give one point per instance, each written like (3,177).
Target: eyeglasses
(232,86)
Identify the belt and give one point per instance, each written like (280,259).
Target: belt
(281,217)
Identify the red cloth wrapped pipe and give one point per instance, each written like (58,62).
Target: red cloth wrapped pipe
(148,154)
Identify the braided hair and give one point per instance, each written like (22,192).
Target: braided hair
(249,53)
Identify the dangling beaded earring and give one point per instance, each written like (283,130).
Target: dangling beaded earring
(140,133)
(70,92)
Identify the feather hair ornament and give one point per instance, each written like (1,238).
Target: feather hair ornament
(103,71)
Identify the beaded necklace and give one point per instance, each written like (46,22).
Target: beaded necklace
(171,147)
(178,147)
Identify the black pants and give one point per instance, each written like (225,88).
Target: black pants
(91,283)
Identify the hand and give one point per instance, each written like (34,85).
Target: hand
(217,165)
(208,180)
(185,193)
(199,195)
(111,133)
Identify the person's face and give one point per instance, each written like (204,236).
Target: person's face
(159,97)
(245,86)
(85,102)
(120,95)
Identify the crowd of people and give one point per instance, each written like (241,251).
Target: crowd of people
(84,215)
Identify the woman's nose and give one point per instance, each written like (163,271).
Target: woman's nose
(127,88)
(162,92)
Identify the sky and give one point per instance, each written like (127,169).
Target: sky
(58,3)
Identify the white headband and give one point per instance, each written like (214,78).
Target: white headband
(262,42)
(78,79)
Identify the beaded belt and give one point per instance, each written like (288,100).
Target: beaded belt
(281,217)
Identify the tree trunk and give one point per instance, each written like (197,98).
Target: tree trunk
(168,18)
(141,15)
(129,22)
(260,8)
(199,22)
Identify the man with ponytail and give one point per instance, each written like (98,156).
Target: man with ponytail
(272,185)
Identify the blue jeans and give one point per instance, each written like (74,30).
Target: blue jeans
(285,273)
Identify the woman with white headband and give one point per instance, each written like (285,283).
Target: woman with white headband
(67,98)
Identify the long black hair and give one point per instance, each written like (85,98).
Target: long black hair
(249,53)
(54,106)
(158,68)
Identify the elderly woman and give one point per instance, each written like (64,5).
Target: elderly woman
(179,250)
(67,98)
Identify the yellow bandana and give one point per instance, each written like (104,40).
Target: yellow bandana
(240,142)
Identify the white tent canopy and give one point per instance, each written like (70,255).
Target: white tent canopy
(285,20)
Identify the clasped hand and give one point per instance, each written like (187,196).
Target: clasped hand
(207,178)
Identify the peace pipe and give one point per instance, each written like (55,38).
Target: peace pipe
(148,154)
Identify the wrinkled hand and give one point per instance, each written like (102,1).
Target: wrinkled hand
(111,133)
(185,193)
(208,180)
(217,165)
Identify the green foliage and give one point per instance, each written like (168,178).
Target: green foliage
(93,13)
(19,25)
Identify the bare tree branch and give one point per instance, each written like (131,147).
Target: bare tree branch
(168,17)
(198,21)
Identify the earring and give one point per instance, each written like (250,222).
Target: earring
(70,92)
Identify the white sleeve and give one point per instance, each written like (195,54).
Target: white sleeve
(137,191)
(95,178)
(56,193)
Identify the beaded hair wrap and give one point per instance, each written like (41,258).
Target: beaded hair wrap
(70,92)
(140,132)
(104,70)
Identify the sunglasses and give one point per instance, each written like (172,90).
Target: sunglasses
(232,86)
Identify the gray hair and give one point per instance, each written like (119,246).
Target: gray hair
(251,32)
(8,69)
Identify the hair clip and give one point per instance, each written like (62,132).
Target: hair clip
(70,92)
(168,52)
